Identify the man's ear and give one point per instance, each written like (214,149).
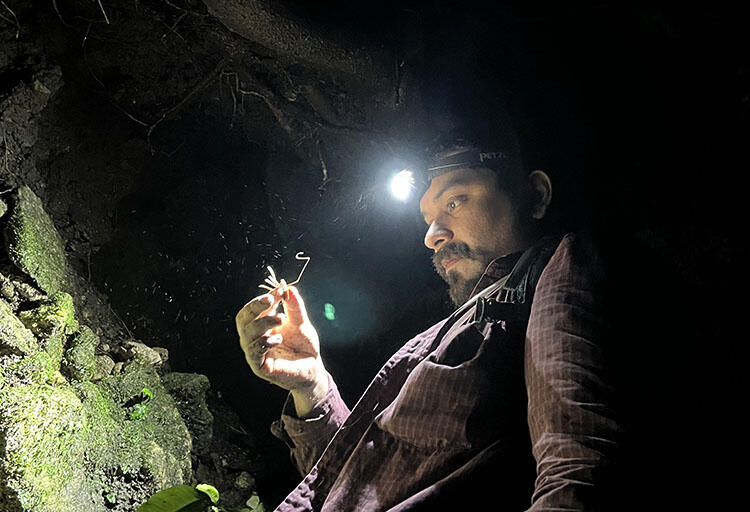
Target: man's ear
(541,193)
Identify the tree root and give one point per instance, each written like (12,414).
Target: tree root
(195,90)
(13,21)
(103,11)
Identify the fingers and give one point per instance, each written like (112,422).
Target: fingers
(255,330)
(257,306)
(294,306)
(258,338)
(256,349)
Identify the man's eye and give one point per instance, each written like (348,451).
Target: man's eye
(453,204)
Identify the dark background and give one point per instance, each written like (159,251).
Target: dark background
(174,187)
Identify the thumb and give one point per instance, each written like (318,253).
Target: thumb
(294,306)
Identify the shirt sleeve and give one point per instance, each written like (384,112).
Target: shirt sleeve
(308,437)
(574,428)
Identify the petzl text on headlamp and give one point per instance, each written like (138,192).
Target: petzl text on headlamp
(462,157)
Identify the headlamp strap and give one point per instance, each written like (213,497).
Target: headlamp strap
(466,157)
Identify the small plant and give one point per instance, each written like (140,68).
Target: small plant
(201,498)
(141,408)
(109,496)
(140,411)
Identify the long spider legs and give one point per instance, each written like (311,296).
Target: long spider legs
(300,256)
(273,284)
(272,277)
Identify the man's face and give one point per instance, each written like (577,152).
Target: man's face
(471,222)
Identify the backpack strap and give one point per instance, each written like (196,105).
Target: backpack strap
(530,267)
(513,301)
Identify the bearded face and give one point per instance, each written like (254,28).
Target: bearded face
(461,285)
(471,221)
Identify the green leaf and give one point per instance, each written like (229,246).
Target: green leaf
(210,490)
(147,392)
(180,498)
(140,411)
(255,504)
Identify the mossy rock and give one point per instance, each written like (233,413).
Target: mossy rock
(39,368)
(164,452)
(33,243)
(104,367)
(51,322)
(152,451)
(15,338)
(189,392)
(55,314)
(69,448)
(43,431)
(79,361)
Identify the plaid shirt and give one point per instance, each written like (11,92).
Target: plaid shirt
(478,415)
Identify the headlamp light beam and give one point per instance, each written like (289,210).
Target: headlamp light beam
(401,184)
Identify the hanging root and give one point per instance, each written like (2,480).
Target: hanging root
(200,86)
(103,11)
(15,18)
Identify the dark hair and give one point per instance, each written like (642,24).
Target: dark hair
(477,131)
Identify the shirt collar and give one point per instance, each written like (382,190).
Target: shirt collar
(497,269)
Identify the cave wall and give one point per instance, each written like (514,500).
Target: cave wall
(77,430)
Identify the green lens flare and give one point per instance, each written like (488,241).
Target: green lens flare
(329,311)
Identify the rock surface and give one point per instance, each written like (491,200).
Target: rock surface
(73,435)
(34,244)
(189,392)
(80,362)
(104,367)
(139,351)
(15,338)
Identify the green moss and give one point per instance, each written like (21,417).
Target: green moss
(14,337)
(53,345)
(43,432)
(55,314)
(79,361)
(39,368)
(51,321)
(159,441)
(33,243)
(62,445)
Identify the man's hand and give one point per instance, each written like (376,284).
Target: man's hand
(283,348)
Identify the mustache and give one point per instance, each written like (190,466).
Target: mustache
(450,250)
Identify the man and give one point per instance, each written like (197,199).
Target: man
(512,403)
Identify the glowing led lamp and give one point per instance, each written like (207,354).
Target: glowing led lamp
(401,184)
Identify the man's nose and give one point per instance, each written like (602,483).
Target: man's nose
(436,236)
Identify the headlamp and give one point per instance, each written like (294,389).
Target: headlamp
(462,157)
(402,184)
